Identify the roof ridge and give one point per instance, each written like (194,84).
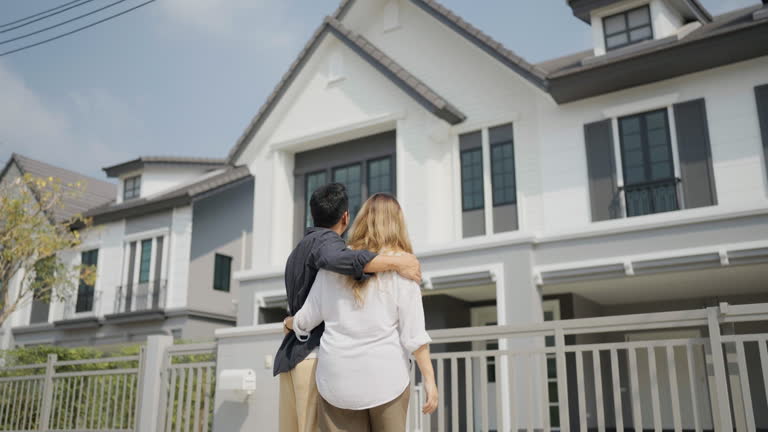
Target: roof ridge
(408,82)
(20,160)
(480,36)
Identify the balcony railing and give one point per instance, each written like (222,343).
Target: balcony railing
(146,296)
(651,197)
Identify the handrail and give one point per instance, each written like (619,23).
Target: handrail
(649,321)
(672,180)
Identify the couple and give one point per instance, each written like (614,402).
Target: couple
(357,316)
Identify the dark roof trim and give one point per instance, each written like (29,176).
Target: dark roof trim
(179,197)
(725,46)
(702,14)
(406,81)
(139,163)
(583,8)
(493,48)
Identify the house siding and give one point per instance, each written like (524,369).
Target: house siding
(221,223)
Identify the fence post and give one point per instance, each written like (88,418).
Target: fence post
(45,412)
(562,380)
(150,382)
(718,363)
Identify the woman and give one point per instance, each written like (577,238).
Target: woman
(370,329)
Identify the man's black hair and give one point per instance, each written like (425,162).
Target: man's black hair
(328,204)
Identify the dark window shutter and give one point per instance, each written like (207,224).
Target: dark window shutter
(603,191)
(761,93)
(698,179)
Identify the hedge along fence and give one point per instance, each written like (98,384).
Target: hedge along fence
(51,388)
(56,388)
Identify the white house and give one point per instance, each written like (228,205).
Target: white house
(165,243)
(629,178)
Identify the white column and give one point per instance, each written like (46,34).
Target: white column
(151,382)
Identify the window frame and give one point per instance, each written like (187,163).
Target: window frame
(627,29)
(363,187)
(308,222)
(368,174)
(134,190)
(217,277)
(488,135)
(364,177)
(481,204)
(81,286)
(647,166)
(492,146)
(150,255)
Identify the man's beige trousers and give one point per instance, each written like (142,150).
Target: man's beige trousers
(299,398)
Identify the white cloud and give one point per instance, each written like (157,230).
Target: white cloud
(248,20)
(65,134)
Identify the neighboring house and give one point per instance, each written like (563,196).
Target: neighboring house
(624,179)
(165,242)
(93,193)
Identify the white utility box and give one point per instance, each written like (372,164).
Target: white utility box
(242,382)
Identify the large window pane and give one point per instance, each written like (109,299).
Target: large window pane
(638,17)
(380,176)
(313,181)
(502,165)
(222,271)
(615,24)
(472,179)
(85,292)
(145,260)
(350,177)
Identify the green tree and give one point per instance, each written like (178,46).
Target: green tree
(31,237)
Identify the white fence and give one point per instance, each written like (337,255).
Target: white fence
(109,394)
(636,372)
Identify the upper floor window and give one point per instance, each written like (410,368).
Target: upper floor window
(365,166)
(380,177)
(478,216)
(131,187)
(85,291)
(650,185)
(222,271)
(313,181)
(503,165)
(145,260)
(627,28)
(472,179)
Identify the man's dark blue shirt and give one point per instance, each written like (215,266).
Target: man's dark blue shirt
(320,248)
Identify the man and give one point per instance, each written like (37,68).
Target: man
(321,248)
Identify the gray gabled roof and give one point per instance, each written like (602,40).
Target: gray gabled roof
(138,163)
(474,35)
(401,77)
(179,196)
(495,49)
(93,192)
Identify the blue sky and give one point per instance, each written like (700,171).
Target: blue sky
(184,77)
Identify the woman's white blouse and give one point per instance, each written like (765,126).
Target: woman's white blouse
(363,357)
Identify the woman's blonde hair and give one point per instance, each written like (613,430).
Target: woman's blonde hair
(379,227)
